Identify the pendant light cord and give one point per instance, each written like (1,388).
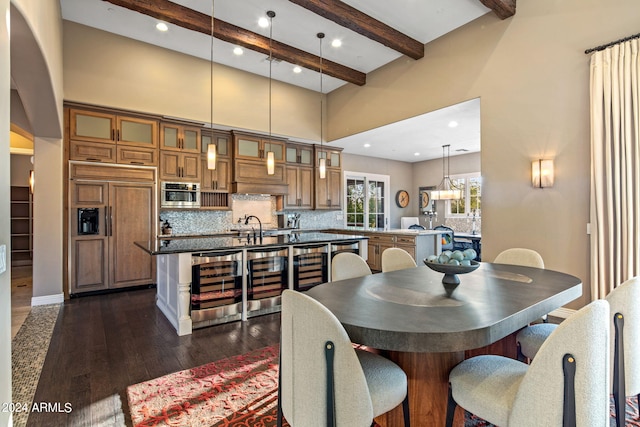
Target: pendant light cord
(271,15)
(320,37)
(211,62)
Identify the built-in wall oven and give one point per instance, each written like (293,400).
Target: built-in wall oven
(180,195)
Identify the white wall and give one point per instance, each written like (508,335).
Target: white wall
(36,67)
(532,77)
(5,277)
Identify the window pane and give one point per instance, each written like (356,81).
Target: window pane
(355,202)
(458,206)
(475,190)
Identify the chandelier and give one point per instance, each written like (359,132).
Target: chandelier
(446,190)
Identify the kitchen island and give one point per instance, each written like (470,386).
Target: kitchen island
(207,280)
(418,243)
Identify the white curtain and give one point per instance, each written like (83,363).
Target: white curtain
(615,167)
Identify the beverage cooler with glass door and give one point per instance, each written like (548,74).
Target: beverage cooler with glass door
(267,278)
(216,288)
(310,266)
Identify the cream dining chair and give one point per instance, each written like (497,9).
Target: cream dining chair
(324,380)
(567,384)
(396,259)
(527,339)
(625,343)
(520,256)
(347,265)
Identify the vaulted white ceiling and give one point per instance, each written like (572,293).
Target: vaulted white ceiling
(295,26)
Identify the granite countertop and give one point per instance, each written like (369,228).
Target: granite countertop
(184,244)
(393,231)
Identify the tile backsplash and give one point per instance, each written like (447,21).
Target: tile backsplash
(263,206)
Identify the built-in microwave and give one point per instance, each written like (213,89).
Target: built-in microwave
(180,195)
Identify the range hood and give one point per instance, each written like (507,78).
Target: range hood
(259,188)
(251,177)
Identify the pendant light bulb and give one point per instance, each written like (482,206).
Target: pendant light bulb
(271,163)
(323,168)
(212,156)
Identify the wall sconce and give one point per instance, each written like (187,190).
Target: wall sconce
(542,174)
(271,163)
(212,155)
(32,180)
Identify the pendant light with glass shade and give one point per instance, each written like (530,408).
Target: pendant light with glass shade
(322,162)
(446,190)
(270,155)
(212,152)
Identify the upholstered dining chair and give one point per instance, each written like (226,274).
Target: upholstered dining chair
(324,380)
(396,259)
(567,384)
(520,256)
(527,339)
(347,265)
(625,343)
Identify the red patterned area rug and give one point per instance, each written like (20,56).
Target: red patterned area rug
(239,391)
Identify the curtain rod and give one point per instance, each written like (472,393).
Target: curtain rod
(604,46)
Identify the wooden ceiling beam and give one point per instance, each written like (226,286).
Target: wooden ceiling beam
(200,22)
(503,8)
(361,23)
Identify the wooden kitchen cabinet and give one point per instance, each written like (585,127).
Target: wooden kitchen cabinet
(218,179)
(222,140)
(181,167)
(333,156)
(249,173)
(106,136)
(328,190)
(92,151)
(255,147)
(299,154)
(178,137)
(300,182)
(106,257)
(376,245)
(111,128)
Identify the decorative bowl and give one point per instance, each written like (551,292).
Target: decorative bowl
(451,271)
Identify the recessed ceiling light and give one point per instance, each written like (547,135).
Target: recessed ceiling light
(297,69)
(416,154)
(367,145)
(238,51)
(263,22)
(161,26)
(336,43)
(453,124)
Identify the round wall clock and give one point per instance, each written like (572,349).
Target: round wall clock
(424,199)
(402,198)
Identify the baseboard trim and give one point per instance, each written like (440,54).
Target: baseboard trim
(562,312)
(47,299)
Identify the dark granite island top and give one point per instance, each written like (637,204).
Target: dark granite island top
(206,280)
(176,245)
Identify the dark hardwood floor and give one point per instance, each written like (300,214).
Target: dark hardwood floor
(102,344)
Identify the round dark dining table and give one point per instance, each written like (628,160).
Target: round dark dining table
(428,328)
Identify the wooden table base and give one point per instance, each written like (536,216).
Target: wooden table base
(428,375)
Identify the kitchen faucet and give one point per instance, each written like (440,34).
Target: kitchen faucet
(246,222)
